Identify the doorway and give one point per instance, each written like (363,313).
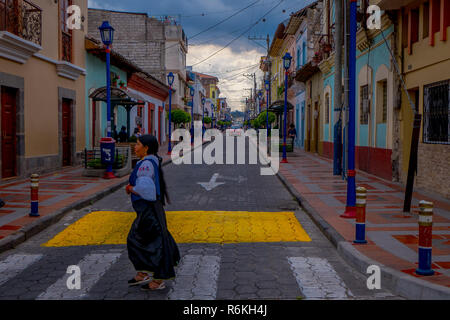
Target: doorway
(67,132)
(9,152)
(316,127)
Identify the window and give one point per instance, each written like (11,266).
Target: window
(437,113)
(382,101)
(213,94)
(327,108)
(298,58)
(364,105)
(304,53)
(66,34)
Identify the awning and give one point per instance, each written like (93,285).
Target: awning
(278,106)
(118,97)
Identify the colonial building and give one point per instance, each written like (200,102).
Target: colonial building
(422,49)
(42,80)
(138,98)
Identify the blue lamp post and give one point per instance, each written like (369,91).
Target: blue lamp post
(260,94)
(203,115)
(267,87)
(212,115)
(107,35)
(350,210)
(287,64)
(170,79)
(192,92)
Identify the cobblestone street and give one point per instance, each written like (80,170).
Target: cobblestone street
(245,239)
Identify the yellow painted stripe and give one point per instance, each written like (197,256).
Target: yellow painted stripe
(109,227)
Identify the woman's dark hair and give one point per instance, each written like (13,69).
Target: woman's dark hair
(151,142)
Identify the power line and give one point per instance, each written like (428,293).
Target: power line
(229,43)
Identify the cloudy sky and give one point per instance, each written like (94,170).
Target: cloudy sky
(241,19)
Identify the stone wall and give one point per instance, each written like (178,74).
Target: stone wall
(433,168)
(137,37)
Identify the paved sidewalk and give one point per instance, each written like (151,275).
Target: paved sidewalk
(392,239)
(59,192)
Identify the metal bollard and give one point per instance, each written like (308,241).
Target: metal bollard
(425,238)
(34,195)
(361,196)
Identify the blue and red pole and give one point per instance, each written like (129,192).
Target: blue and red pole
(361,196)
(425,238)
(350,210)
(34,195)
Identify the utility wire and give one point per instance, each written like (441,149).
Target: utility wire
(229,43)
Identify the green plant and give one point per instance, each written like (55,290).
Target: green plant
(207,120)
(132,139)
(280,90)
(179,116)
(262,118)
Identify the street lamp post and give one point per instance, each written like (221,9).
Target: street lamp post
(212,115)
(107,35)
(267,86)
(287,64)
(260,94)
(203,115)
(350,210)
(192,91)
(170,79)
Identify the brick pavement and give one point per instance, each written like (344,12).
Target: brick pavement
(392,238)
(57,190)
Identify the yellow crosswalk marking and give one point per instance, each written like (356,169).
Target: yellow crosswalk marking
(110,227)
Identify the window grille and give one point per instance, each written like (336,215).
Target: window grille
(437,113)
(364,105)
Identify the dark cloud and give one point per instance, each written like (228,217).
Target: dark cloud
(197,15)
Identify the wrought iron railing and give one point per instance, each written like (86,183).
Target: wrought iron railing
(22,18)
(92,158)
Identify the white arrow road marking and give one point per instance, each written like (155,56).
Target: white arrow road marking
(15,264)
(317,278)
(92,266)
(212,183)
(196,278)
(238,179)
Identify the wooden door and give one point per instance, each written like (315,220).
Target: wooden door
(66,132)
(9,105)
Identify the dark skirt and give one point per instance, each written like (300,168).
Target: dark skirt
(151,247)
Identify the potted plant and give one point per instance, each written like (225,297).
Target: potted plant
(115,78)
(122,84)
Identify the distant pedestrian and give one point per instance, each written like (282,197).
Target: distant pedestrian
(292,134)
(151,247)
(123,137)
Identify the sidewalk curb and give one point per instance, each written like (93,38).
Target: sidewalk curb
(397,282)
(23,234)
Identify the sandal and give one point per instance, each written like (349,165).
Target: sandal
(160,286)
(134,282)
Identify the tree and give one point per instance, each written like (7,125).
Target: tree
(180,116)
(262,118)
(207,120)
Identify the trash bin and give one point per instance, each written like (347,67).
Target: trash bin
(107,149)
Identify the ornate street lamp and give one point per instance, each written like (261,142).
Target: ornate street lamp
(107,35)
(287,64)
(192,92)
(170,79)
(260,94)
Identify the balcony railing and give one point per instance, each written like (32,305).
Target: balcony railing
(22,18)
(66,54)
